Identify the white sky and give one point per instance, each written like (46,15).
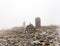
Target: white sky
(14,12)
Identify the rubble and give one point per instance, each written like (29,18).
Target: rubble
(32,37)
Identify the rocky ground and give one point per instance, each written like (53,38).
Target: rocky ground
(38,37)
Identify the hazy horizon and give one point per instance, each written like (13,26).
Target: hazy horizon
(14,12)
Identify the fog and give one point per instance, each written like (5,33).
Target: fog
(14,12)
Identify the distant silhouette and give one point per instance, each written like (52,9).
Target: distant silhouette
(37,22)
